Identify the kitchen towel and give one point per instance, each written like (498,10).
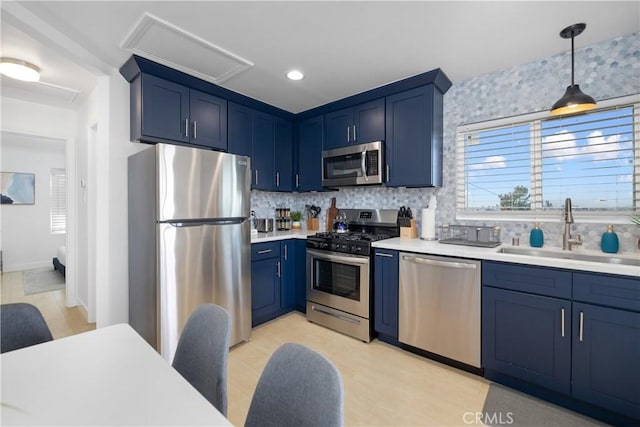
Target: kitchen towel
(428,231)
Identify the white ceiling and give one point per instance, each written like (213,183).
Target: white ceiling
(342,47)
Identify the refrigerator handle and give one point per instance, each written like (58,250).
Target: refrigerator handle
(200,223)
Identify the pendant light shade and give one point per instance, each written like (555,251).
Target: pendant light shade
(573,100)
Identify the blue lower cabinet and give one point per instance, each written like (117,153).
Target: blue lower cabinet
(266,273)
(606,358)
(288,257)
(385,290)
(265,290)
(300,285)
(527,337)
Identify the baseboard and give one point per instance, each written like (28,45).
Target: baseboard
(8,268)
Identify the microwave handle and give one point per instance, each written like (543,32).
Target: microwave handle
(364,165)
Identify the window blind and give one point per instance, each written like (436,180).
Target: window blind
(58,201)
(533,165)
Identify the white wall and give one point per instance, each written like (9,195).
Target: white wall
(112,151)
(27,241)
(85,184)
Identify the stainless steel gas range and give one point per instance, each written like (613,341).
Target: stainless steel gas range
(340,271)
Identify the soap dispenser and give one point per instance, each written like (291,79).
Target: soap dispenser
(536,238)
(609,242)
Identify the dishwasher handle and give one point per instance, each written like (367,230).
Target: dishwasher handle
(447,264)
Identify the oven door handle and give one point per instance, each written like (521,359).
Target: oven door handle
(341,258)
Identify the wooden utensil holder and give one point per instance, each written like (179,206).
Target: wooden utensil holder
(409,232)
(313,224)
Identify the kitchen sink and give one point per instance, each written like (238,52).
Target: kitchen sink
(579,256)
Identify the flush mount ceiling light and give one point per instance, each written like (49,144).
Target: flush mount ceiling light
(573,100)
(19,69)
(295,75)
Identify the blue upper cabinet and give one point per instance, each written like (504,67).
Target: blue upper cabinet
(309,170)
(262,151)
(251,133)
(414,138)
(163,111)
(208,120)
(283,154)
(355,125)
(240,129)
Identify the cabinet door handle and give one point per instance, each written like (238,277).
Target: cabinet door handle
(562,322)
(348,134)
(277,179)
(195,129)
(279,269)
(388,170)
(264,251)
(297,181)
(256,176)
(286,252)
(384,255)
(355,138)
(186,128)
(581,325)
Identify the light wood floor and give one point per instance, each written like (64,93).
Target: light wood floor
(384,385)
(62,321)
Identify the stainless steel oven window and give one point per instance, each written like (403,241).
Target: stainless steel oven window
(337,279)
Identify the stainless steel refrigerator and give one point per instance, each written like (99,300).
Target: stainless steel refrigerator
(189,240)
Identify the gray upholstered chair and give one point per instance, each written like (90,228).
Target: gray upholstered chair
(203,351)
(298,387)
(21,325)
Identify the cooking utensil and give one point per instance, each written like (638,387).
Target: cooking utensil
(314,211)
(332,213)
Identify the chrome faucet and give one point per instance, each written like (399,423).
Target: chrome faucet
(567,241)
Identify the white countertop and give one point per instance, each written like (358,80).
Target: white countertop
(282,235)
(437,248)
(109,376)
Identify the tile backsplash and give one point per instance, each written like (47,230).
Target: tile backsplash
(604,70)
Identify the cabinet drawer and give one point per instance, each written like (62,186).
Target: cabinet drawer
(518,277)
(614,291)
(265,250)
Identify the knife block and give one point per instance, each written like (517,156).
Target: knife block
(409,232)
(313,224)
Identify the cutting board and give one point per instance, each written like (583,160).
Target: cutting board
(332,213)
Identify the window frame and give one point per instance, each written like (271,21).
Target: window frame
(535,120)
(58,201)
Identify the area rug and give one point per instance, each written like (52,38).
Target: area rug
(507,406)
(42,280)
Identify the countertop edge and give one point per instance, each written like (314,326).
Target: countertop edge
(282,235)
(493,254)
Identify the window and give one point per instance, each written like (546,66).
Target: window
(58,201)
(531,165)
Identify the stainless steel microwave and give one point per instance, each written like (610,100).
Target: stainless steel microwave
(360,164)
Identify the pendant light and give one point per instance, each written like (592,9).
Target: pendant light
(19,69)
(573,100)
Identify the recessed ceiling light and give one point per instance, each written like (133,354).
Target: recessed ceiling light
(19,69)
(295,75)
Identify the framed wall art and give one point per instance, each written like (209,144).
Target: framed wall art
(17,188)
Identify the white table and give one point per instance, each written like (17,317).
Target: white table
(109,376)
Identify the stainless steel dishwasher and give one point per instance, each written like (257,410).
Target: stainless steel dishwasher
(439,307)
